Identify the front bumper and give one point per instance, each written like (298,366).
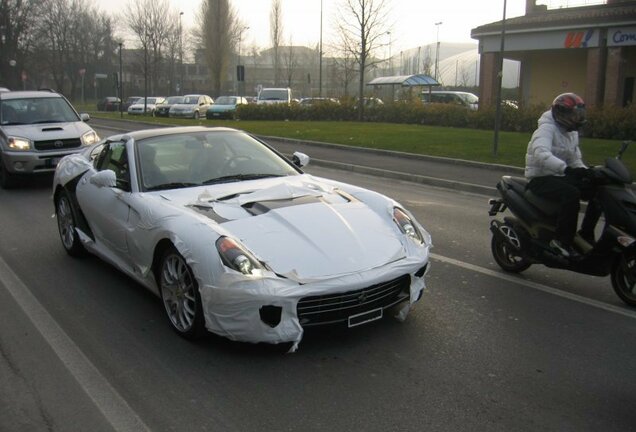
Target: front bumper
(187,114)
(267,309)
(33,162)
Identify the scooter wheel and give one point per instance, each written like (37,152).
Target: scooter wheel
(507,257)
(624,279)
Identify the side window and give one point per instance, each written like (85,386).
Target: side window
(114,157)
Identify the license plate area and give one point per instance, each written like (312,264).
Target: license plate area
(364,317)
(52,162)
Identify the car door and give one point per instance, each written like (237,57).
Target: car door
(105,207)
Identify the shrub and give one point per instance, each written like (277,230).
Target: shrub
(610,122)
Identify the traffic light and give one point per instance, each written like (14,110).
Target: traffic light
(240,73)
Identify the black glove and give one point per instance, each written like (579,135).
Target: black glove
(578,172)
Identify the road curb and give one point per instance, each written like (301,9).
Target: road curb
(414,178)
(392,153)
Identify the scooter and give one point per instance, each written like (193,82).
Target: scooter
(523,239)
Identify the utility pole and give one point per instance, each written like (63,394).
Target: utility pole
(121,85)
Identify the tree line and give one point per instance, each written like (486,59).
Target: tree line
(68,41)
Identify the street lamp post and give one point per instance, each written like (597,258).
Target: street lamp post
(499,81)
(120,82)
(180,84)
(437,24)
(320,57)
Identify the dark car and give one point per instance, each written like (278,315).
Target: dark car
(110,103)
(163,110)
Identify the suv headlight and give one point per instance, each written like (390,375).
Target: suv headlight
(236,256)
(19,143)
(90,138)
(407,226)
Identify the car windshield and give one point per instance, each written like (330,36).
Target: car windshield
(273,94)
(225,100)
(174,100)
(36,110)
(191,100)
(204,158)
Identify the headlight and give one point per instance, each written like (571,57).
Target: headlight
(407,226)
(236,257)
(90,138)
(19,144)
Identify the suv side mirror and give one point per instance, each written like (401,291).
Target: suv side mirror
(84,117)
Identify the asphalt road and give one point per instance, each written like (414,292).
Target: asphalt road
(83,348)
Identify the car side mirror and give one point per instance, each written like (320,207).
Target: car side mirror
(300,159)
(106,178)
(84,117)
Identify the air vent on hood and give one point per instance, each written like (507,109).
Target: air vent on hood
(262,207)
(52,129)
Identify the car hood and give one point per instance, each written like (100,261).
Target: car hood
(300,226)
(141,105)
(48,131)
(217,107)
(184,106)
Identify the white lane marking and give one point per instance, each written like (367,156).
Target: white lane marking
(111,404)
(536,286)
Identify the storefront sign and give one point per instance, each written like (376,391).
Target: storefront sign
(621,36)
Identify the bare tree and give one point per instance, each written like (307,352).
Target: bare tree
(173,53)
(150,21)
(361,26)
(290,63)
(18,19)
(276,34)
(217,33)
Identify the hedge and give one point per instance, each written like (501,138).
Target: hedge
(609,123)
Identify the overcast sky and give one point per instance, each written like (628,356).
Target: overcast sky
(413,20)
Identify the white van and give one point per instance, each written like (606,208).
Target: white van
(269,96)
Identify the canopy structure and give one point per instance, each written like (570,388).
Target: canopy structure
(405,80)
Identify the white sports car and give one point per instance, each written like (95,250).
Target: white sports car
(235,238)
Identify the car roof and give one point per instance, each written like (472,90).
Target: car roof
(149,133)
(28,94)
(447,92)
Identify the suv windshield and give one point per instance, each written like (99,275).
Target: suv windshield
(36,110)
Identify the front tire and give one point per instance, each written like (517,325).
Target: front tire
(180,295)
(624,279)
(506,255)
(66,216)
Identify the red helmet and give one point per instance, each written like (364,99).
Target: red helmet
(568,110)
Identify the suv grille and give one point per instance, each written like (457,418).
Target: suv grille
(332,308)
(58,144)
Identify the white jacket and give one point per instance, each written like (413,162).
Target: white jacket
(551,149)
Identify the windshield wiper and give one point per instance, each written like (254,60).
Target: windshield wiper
(174,185)
(239,177)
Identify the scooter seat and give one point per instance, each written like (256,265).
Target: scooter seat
(519,185)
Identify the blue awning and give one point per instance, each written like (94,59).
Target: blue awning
(405,80)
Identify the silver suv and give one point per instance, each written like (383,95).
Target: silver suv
(37,129)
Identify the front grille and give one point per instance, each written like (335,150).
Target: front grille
(333,308)
(57,144)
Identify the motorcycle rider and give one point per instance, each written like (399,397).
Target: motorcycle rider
(555,170)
